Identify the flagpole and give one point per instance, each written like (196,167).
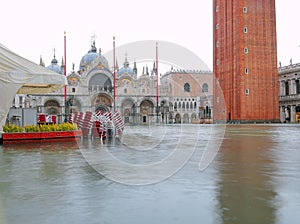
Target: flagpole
(114,70)
(65,73)
(157,83)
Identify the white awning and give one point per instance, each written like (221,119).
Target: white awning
(19,75)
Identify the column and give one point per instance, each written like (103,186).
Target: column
(293,114)
(282,114)
(293,85)
(137,117)
(282,88)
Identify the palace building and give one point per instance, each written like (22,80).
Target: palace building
(289,92)
(245,61)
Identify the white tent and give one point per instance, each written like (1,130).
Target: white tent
(19,75)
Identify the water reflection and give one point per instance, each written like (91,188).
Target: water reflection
(254,179)
(246,191)
(286,179)
(38,183)
(259,170)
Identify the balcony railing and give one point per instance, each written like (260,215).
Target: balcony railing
(96,88)
(289,97)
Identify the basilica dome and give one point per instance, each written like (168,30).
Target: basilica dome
(125,69)
(54,66)
(93,56)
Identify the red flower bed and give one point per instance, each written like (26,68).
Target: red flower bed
(29,137)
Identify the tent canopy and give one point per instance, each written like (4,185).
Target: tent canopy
(19,75)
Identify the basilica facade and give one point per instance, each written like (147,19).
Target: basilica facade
(181,96)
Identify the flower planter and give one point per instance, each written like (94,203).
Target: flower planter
(14,136)
(29,137)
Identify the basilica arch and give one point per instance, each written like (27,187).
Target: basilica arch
(52,106)
(102,102)
(100,82)
(147,110)
(128,110)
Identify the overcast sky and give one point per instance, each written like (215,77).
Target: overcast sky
(33,27)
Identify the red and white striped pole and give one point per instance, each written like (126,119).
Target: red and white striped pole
(114,68)
(65,73)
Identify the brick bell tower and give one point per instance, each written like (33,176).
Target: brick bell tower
(245,61)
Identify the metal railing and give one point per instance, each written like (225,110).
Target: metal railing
(289,97)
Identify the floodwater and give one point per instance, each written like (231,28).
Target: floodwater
(157,174)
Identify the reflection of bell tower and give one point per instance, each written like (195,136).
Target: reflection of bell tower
(245,60)
(246,171)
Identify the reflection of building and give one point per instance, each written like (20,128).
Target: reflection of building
(245,60)
(184,96)
(246,169)
(289,93)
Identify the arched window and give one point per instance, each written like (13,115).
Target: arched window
(100,81)
(205,88)
(187,87)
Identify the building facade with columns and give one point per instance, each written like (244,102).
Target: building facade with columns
(181,96)
(289,93)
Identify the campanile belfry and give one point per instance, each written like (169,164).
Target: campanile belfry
(245,60)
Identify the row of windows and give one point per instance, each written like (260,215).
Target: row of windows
(287,88)
(143,91)
(185,99)
(245,9)
(185,105)
(246,50)
(246,69)
(187,87)
(245,28)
